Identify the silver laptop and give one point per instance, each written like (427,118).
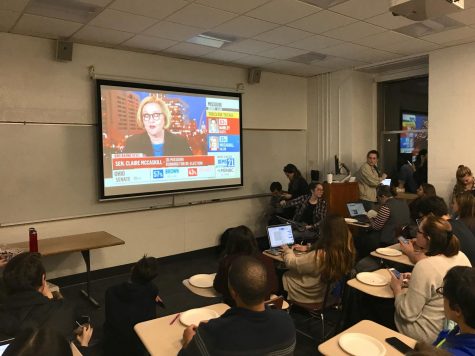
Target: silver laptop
(279,235)
(357,211)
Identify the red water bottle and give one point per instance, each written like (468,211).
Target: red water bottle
(33,240)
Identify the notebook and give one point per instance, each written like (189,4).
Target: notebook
(357,211)
(279,235)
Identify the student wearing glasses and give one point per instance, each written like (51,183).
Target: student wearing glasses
(419,313)
(154,116)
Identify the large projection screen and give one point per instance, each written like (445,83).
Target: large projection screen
(161,139)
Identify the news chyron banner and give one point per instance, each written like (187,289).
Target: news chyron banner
(215,147)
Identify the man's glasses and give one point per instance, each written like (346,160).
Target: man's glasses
(156,116)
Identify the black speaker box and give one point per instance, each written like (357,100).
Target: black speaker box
(64,50)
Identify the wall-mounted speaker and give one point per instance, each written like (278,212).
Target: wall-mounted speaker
(254,76)
(64,50)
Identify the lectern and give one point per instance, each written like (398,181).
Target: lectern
(338,194)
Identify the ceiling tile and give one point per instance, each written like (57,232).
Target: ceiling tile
(122,21)
(101,35)
(8,19)
(354,31)
(451,35)
(45,26)
(200,16)
(223,55)
(466,16)
(338,63)
(149,43)
(254,60)
(412,46)
(295,68)
(250,46)
(101,3)
(362,9)
(158,9)
(322,21)
(283,11)
(236,6)
(13,5)
(244,26)
(282,52)
(173,31)
(389,21)
(283,35)
(347,50)
(315,43)
(190,49)
(382,39)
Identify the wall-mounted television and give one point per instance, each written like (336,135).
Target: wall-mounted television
(413,142)
(158,139)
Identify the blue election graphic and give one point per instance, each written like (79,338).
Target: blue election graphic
(223,143)
(157,173)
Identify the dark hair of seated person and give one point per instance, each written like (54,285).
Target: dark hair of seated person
(275,187)
(459,290)
(441,239)
(144,270)
(432,205)
(292,168)
(428,189)
(35,342)
(241,240)
(248,278)
(384,191)
(24,272)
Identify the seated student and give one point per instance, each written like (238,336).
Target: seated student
(241,242)
(30,303)
(465,180)
(406,181)
(297,187)
(420,311)
(459,296)
(436,206)
(332,258)
(127,304)
(424,190)
(274,203)
(41,341)
(249,328)
(310,209)
(464,209)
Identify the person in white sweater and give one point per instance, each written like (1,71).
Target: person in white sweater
(420,311)
(332,258)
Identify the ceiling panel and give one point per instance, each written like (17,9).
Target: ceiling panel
(45,26)
(149,42)
(252,60)
(383,39)
(173,31)
(158,9)
(354,31)
(122,21)
(315,43)
(13,5)
(455,35)
(200,16)
(322,21)
(283,35)
(389,21)
(93,34)
(413,46)
(189,49)
(244,26)
(250,46)
(466,17)
(8,19)
(283,52)
(283,11)
(362,9)
(236,6)
(223,55)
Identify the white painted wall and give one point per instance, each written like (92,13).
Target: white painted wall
(451,114)
(35,87)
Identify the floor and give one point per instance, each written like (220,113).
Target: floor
(177,297)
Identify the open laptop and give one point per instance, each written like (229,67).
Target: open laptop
(386,181)
(357,211)
(279,235)
(4,344)
(300,226)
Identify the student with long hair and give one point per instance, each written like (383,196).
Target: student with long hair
(420,311)
(465,180)
(331,259)
(464,208)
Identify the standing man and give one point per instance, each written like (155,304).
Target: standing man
(369,177)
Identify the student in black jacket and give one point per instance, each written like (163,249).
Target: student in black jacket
(127,304)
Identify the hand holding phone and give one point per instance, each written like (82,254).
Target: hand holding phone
(403,240)
(395,272)
(399,345)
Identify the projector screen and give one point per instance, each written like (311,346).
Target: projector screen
(161,139)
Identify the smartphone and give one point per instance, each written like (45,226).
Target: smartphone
(395,272)
(403,240)
(83,321)
(399,345)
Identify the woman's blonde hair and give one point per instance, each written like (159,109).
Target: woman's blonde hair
(155,100)
(336,243)
(462,171)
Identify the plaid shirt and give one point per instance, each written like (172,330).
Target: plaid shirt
(302,202)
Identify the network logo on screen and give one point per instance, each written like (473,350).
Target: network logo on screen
(157,173)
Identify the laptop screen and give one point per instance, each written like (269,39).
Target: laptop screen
(280,235)
(356,209)
(3,345)
(386,181)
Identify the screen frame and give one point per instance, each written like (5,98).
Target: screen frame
(158,87)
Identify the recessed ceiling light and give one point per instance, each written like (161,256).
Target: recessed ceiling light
(308,58)
(211,39)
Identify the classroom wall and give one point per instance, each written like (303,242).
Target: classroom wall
(35,87)
(451,114)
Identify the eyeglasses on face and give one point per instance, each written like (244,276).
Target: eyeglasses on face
(156,116)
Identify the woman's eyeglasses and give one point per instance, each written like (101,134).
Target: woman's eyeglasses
(155,116)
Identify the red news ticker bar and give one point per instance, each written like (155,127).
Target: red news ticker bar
(162,162)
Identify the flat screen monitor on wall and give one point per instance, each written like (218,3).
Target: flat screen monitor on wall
(160,139)
(413,142)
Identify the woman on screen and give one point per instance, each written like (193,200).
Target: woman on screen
(332,258)
(154,116)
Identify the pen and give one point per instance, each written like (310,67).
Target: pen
(175,318)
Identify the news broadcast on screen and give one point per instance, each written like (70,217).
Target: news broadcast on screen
(158,139)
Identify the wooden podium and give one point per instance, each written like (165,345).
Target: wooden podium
(338,194)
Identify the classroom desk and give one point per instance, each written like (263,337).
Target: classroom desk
(403,259)
(377,291)
(83,243)
(161,338)
(379,332)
